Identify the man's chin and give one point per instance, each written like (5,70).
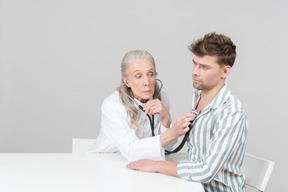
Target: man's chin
(197,86)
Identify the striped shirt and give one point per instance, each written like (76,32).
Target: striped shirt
(216,146)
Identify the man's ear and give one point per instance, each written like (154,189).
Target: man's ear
(226,71)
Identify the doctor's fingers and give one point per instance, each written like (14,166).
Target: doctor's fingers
(159,108)
(189,116)
(182,128)
(182,122)
(154,108)
(152,103)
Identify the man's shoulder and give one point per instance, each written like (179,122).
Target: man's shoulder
(234,104)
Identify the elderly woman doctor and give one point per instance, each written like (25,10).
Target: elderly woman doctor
(125,127)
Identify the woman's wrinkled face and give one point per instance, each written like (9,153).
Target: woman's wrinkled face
(141,79)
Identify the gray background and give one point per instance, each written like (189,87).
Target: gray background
(60,58)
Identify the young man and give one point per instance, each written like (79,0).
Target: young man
(216,145)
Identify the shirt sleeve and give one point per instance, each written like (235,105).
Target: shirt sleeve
(116,126)
(227,133)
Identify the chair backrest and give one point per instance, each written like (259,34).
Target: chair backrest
(257,171)
(81,145)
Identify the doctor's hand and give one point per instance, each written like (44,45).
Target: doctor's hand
(180,127)
(156,106)
(182,123)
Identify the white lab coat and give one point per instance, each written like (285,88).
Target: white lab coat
(117,134)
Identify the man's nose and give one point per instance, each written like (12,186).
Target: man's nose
(195,71)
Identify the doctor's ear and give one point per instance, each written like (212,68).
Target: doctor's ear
(126,82)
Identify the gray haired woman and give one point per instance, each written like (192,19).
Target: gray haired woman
(124,127)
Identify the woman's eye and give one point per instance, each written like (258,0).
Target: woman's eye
(138,76)
(151,74)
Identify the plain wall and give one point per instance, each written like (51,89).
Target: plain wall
(60,58)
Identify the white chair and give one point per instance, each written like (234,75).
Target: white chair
(81,145)
(257,171)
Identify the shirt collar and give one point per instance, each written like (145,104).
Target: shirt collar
(219,99)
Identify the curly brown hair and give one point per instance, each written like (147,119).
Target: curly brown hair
(215,45)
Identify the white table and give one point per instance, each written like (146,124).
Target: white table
(65,172)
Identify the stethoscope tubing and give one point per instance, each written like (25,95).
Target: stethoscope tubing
(151,120)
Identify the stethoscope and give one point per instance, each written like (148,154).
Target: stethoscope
(151,120)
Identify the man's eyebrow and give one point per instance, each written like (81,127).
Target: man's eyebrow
(199,63)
